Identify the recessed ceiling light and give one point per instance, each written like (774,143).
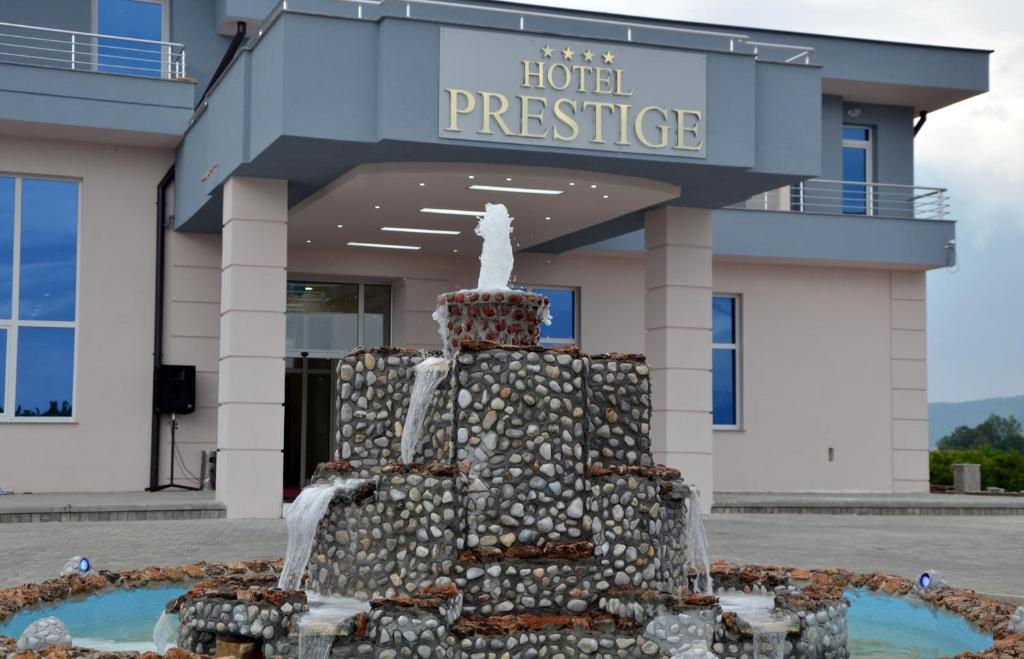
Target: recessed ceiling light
(455,251)
(440,232)
(471,177)
(309,288)
(498,188)
(604,196)
(451,211)
(341,225)
(422,184)
(593,185)
(508,179)
(376,207)
(308,241)
(547,217)
(382,245)
(571,183)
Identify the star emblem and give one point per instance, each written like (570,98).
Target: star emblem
(608,57)
(548,51)
(588,55)
(567,53)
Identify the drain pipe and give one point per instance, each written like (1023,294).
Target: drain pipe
(921,118)
(236,43)
(158,325)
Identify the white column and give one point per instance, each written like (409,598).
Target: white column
(250,413)
(678,341)
(909,348)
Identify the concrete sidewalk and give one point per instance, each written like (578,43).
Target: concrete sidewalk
(981,553)
(108,506)
(867,504)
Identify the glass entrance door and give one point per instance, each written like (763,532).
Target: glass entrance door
(324,322)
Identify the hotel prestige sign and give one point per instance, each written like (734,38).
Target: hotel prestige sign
(555,92)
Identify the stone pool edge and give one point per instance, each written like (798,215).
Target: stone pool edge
(985,613)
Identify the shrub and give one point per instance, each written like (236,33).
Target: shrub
(1003,469)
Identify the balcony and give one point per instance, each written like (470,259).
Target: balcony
(86,51)
(833,197)
(70,84)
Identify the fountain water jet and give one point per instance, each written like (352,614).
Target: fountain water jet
(302,519)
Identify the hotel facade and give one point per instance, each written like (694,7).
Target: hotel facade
(256,188)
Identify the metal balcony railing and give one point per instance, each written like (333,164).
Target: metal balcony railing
(834,197)
(631,30)
(86,51)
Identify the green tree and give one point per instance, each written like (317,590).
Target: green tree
(1001,433)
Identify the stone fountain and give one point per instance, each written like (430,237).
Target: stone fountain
(528,518)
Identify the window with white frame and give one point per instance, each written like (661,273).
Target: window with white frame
(725,361)
(563,329)
(39,220)
(131,19)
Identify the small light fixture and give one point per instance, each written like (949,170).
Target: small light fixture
(341,226)
(422,184)
(548,217)
(451,211)
(376,207)
(499,188)
(571,183)
(471,177)
(593,186)
(439,232)
(604,196)
(309,241)
(455,251)
(382,245)
(309,288)
(84,565)
(854,112)
(508,179)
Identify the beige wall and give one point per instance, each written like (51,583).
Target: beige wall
(106,448)
(192,337)
(818,372)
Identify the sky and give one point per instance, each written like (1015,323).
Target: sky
(974,148)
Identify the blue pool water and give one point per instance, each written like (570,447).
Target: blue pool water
(880,625)
(889,626)
(114,620)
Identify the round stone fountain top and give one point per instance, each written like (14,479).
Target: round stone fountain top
(506,318)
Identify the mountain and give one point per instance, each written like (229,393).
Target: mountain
(943,418)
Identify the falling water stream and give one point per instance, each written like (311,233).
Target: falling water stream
(698,561)
(429,374)
(318,627)
(165,632)
(303,518)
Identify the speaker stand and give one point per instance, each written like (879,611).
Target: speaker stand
(174,448)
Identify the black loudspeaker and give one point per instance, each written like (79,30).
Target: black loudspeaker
(175,391)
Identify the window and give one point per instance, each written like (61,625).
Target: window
(562,330)
(857,161)
(38,297)
(133,19)
(725,361)
(329,320)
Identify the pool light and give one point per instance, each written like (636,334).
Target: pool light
(84,565)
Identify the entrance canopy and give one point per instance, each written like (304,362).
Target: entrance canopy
(429,207)
(329,98)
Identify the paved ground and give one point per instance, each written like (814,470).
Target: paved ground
(877,504)
(983,553)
